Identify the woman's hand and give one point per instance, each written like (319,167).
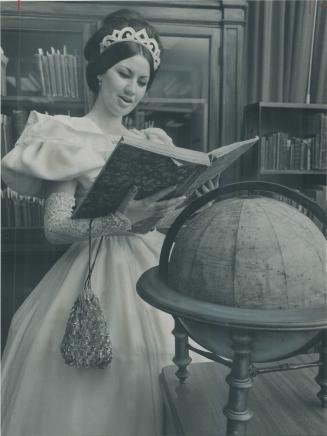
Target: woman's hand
(154,134)
(207,187)
(149,207)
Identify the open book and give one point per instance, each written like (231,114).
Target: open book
(152,167)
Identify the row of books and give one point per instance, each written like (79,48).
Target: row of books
(58,72)
(11,128)
(20,211)
(279,151)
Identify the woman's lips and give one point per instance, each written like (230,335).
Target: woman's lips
(126,100)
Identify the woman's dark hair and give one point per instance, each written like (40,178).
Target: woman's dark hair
(99,63)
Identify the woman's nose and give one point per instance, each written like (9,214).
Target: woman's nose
(130,87)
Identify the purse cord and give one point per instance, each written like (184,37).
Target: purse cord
(87,283)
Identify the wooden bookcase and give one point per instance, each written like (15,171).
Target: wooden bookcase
(201,73)
(292,147)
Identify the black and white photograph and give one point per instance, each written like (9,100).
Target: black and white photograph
(163,218)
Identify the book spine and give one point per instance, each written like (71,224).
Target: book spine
(297,154)
(46,71)
(52,73)
(4,221)
(68,74)
(64,72)
(75,76)
(283,151)
(273,150)
(59,78)
(40,66)
(4,62)
(9,139)
(323,151)
(269,153)
(263,153)
(278,141)
(70,63)
(3,145)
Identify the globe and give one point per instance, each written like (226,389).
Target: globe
(254,253)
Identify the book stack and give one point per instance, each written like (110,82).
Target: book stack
(279,151)
(58,73)
(4,62)
(20,211)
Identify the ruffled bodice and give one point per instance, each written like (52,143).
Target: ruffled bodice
(56,148)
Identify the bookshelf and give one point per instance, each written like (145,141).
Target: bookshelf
(26,255)
(293,146)
(203,42)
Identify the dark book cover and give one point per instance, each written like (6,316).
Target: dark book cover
(152,167)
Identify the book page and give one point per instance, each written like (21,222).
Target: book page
(174,152)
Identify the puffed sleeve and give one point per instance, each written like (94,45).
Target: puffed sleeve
(53,148)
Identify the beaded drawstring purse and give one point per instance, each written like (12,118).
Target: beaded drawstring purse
(86,342)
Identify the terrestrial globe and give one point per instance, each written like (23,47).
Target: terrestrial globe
(249,261)
(253,253)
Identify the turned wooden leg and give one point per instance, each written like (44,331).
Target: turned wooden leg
(322,373)
(240,382)
(182,358)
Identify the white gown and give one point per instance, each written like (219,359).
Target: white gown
(41,395)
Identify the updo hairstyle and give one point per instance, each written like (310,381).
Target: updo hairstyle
(99,63)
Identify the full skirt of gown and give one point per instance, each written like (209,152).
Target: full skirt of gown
(42,396)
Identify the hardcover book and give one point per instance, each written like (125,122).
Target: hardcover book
(151,167)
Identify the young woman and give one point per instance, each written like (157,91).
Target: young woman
(59,157)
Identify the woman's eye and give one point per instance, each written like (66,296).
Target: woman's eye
(143,84)
(123,74)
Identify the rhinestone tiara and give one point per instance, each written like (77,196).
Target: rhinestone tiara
(130,34)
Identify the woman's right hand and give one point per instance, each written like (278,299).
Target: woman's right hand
(149,207)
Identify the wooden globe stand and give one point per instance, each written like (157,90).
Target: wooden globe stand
(241,327)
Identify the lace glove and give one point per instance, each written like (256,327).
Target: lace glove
(60,228)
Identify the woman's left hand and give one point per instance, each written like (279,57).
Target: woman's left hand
(154,134)
(207,187)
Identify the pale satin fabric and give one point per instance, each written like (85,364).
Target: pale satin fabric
(41,396)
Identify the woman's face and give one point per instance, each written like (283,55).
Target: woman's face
(124,85)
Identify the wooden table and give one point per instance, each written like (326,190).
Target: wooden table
(284,403)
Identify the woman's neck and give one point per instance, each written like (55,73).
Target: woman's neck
(107,124)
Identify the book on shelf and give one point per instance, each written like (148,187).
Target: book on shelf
(46,69)
(64,71)
(152,167)
(4,62)
(7,141)
(75,75)
(39,60)
(53,80)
